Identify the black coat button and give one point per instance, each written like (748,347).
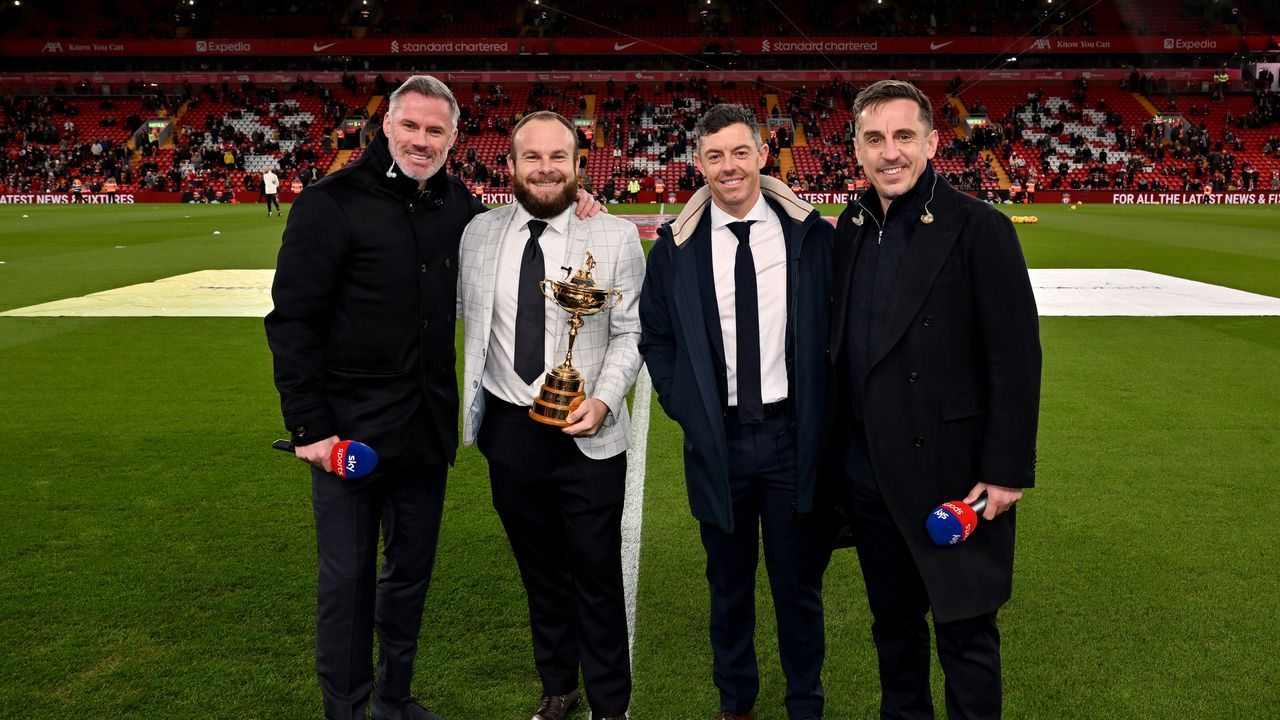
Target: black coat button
(913,377)
(301,431)
(919,442)
(927,321)
(447,263)
(426,322)
(422,267)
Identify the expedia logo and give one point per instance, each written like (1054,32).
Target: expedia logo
(52,47)
(213,46)
(1180,44)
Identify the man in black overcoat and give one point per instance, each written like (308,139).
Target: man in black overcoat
(362,335)
(935,356)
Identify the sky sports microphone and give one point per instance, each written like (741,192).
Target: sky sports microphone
(350,459)
(953,522)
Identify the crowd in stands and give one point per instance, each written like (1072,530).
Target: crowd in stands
(44,154)
(1082,143)
(1071,138)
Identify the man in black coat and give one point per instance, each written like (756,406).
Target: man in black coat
(750,402)
(362,334)
(936,359)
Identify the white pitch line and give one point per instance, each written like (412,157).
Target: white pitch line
(633,507)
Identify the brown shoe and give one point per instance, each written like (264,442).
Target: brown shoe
(556,707)
(726,715)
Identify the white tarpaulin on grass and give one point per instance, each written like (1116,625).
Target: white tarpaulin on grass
(1101,292)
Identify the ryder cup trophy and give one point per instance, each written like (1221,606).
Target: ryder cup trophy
(577,295)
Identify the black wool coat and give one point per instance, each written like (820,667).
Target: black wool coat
(952,393)
(363,328)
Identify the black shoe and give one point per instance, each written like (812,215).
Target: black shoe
(556,707)
(402,709)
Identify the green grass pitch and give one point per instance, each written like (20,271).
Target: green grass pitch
(157,558)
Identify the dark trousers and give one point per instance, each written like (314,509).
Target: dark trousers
(563,515)
(353,599)
(762,478)
(968,650)
(273,199)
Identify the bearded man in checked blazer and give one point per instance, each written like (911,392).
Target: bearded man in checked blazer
(559,491)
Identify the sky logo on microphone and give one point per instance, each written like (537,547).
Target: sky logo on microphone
(951,523)
(351,459)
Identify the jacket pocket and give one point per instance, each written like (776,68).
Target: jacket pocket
(363,371)
(958,404)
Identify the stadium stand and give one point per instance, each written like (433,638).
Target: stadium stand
(1140,133)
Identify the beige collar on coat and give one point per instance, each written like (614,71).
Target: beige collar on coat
(683,227)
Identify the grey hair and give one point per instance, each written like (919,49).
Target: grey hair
(882,91)
(427,86)
(722,116)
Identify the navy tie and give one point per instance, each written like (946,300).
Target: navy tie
(530,308)
(746,307)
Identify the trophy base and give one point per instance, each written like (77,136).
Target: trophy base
(560,395)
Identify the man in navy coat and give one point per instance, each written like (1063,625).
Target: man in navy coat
(734,327)
(935,352)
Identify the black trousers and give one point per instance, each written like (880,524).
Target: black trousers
(762,478)
(353,599)
(968,650)
(563,515)
(273,199)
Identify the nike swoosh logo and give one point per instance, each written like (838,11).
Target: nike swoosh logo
(624,46)
(935,46)
(317,47)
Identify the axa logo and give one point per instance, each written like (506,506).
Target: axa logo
(395,46)
(52,47)
(1041,44)
(764,45)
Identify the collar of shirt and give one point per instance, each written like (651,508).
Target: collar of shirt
(758,212)
(559,223)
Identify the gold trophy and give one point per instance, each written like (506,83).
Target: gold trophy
(578,295)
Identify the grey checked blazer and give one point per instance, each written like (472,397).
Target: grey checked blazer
(606,351)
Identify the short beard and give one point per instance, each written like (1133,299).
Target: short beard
(420,177)
(543,209)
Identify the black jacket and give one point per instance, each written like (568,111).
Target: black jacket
(952,391)
(686,360)
(363,327)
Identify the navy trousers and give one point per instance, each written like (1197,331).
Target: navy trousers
(762,477)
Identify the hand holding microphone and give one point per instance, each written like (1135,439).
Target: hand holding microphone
(345,458)
(953,522)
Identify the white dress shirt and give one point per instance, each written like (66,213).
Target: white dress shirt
(769,253)
(500,376)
